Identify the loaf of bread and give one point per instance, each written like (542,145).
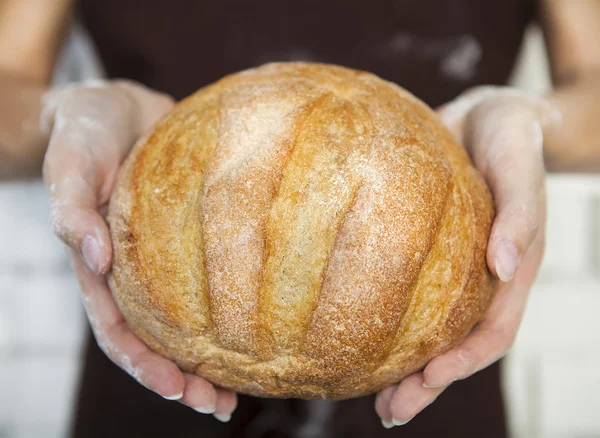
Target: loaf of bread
(300,230)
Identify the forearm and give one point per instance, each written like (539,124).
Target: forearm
(31,34)
(22,144)
(575,147)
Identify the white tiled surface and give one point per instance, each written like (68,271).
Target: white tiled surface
(561,411)
(37,392)
(41,319)
(41,322)
(20,209)
(552,383)
(551,378)
(572,229)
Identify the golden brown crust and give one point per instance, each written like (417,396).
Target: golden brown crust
(300,230)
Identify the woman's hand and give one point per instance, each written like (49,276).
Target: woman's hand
(93,127)
(503,131)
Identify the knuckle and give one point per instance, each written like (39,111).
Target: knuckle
(102,338)
(484,91)
(165,100)
(59,222)
(46,166)
(102,344)
(539,242)
(93,102)
(467,356)
(523,219)
(510,341)
(123,82)
(506,335)
(503,348)
(106,100)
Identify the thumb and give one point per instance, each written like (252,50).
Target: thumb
(505,141)
(92,130)
(73,211)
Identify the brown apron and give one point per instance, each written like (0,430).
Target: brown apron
(434,48)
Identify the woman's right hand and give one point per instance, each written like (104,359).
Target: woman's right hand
(92,129)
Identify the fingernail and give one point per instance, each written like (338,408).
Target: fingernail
(210,409)
(173,397)
(400,423)
(90,251)
(425,385)
(223,418)
(506,260)
(387,424)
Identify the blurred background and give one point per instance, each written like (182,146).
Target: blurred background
(551,377)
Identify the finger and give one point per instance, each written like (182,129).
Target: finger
(93,130)
(505,141)
(199,394)
(75,219)
(493,337)
(484,346)
(503,129)
(226,404)
(454,113)
(120,344)
(382,406)
(89,134)
(151,106)
(410,398)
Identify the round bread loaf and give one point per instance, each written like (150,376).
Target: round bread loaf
(300,230)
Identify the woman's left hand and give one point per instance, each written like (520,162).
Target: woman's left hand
(503,130)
